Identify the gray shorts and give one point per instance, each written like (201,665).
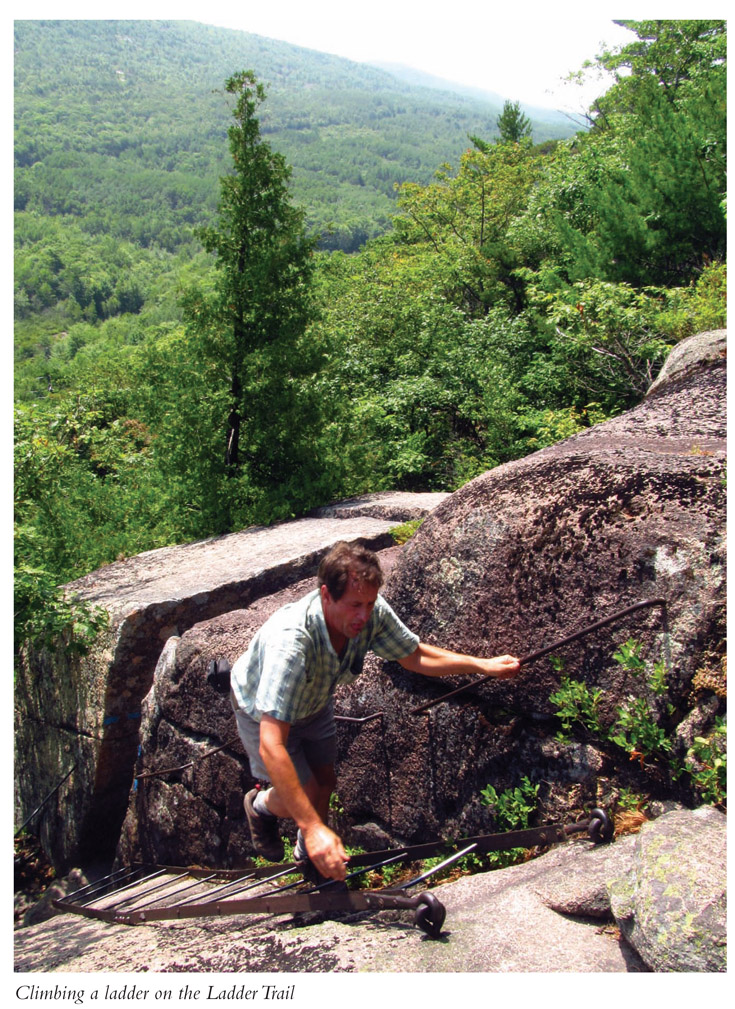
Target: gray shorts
(311,742)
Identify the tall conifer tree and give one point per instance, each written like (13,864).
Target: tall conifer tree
(513,125)
(252,324)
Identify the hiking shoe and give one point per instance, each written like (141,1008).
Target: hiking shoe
(263,831)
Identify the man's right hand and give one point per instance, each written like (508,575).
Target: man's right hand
(326,851)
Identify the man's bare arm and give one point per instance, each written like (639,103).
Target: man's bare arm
(429,660)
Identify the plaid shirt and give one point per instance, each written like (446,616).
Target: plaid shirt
(290,670)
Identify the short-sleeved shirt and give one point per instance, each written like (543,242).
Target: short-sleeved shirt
(290,670)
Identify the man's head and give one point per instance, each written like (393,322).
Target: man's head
(349,579)
(348,563)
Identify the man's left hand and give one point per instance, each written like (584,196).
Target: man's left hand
(504,667)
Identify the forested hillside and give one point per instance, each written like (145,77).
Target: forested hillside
(123,123)
(191,359)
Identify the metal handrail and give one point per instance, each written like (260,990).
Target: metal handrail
(40,806)
(367,718)
(532,656)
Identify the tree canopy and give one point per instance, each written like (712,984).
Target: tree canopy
(189,362)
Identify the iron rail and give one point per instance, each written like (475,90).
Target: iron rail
(540,652)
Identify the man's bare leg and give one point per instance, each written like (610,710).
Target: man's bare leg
(318,788)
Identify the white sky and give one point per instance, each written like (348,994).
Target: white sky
(521,51)
(472,43)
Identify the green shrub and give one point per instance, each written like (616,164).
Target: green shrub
(47,616)
(576,703)
(513,807)
(706,762)
(403,533)
(637,731)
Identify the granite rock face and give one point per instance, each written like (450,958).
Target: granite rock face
(671,905)
(629,511)
(84,715)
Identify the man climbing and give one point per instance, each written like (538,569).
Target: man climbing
(282,693)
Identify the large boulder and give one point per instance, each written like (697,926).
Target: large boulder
(630,511)
(77,720)
(671,903)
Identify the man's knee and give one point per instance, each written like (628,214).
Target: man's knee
(325,777)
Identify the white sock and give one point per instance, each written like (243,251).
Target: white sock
(259,804)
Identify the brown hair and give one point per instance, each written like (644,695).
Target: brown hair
(347,560)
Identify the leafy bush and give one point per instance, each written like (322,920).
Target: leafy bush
(575,702)
(403,533)
(513,807)
(706,762)
(637,728)
(609,344)
(637,732)
(46,616)
(512,810)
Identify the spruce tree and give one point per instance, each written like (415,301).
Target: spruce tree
(513,125)
(252,325)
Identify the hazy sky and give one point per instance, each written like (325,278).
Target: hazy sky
(519,50)
(479,44)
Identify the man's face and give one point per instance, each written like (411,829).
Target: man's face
(347,616)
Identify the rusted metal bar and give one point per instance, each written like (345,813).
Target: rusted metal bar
(360,872)
(294,903)
(182,767)
(442,865)
(106,891)
(174,893)
(89,890)
(539,653)
(224,886)
(367,718)
(259,882)
(153,889)
(43,802)
(527,838)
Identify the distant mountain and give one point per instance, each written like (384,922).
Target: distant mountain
(123,124)
(546,123)
(421,79)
